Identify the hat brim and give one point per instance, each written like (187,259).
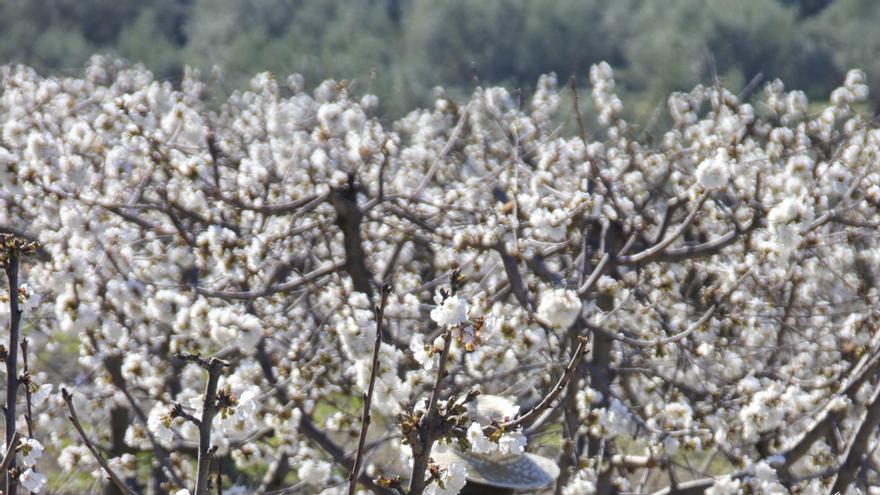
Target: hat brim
(523,472)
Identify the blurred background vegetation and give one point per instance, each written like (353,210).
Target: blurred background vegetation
(400,49)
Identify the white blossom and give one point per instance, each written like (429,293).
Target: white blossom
(453,478)
(314,473)
(559,307)
(32,481)
(582,483)
(31,450)
(173,225)
(512,443)
(450,311)
(158,422)
(479,442)
(713,173)
(41,393)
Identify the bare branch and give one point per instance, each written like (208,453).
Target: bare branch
(368,398)
(695,487)
(10,453)
(445,151)
(515,279)
(68,398)
(858,446)
(658,248)
(26,380)
(551,396)
(299,206)
(349,217)
(272,289)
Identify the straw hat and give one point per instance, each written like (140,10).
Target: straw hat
(516,472)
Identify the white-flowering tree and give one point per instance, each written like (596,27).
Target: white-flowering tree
(281,289)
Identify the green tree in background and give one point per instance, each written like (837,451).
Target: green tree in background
(847,30)
(400,49)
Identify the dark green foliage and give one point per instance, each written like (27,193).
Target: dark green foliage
(400,49)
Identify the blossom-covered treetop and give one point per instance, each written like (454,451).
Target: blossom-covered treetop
(690,303)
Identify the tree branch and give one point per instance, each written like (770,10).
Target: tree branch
(368,398)
(349,217)
(855,453)
(11,250)
(209,409)
(26,380)
(548,399)
(269,290)
(657,249)
(10,453)
(425,436)
(68,398)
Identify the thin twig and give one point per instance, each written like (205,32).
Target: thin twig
(10,453)
(11,260)
(368,397)
(446,149)
(68,398)
(658,248)
(269,290)
(576,104)
(594,277)
(548,399)
(26,379)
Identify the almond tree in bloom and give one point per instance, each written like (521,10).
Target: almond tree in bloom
(688,309)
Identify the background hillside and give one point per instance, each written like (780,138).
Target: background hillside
(401,49)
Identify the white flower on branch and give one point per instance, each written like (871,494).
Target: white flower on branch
(31,450)
(480,443)
(452,479)
(43,391)
(559,307)
(451,311)
(314,473)
(423,353)
(512,443)
(714,173)
(32,481)
(159,423)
